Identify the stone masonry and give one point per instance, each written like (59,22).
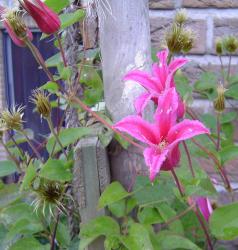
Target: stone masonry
(209,19)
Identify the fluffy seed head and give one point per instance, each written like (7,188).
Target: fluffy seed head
(13,117)
(42,102)
(181,17)
(219,102)
(230,44)
(219,46)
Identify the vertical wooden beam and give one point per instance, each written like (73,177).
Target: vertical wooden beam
(125,45)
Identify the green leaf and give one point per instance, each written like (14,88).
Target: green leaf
(207,84)
(228,117)
(168,213)
(147,193)
(67,136)
(9,194)
(68,19)
(29,176)
(51,87)
(113,193)
(56,5)
(125,144)
(54,60)
(24,226)
(149,215)
(56,170)
(94,85)
(7,168)
(224,222)
(228,153)
(138,238)
(28,243)
(118,208)
(103,225)
(232,92)
(170,241)
(62,234)
(18,211)
(183,86)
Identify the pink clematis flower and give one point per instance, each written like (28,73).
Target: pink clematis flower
(155,83)
(205,207)
(164,135)
(5,14)
(47,20)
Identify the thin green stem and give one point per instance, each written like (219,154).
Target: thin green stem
(218,132)
(61,49)
(13,158)
(32,146)
(222,71)
(52,247)
(203,226)
(189,159)
(51,126)
(100,119)
(229,69)
(36,53)
(217,163)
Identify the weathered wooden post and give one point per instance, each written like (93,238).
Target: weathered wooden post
(125,45)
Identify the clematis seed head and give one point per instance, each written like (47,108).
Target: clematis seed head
(13,117)
(230,44)
(42,102)
(181,17)
(219,102)
(219,47)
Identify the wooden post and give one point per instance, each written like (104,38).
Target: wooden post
(125,45)
(91,176)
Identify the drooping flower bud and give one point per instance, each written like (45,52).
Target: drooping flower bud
(219,102)
(15,26)
(181,17)
(205,207)
(230,44)
(13,117)
(47,20)
(219,47)
(42,102)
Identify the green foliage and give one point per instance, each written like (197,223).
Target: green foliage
(57,6)
(56,170)
(224,222)
(68,19)
(7,168)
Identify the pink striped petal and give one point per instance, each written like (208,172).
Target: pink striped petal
(185,130)
(154,161)
(139,129)
(144,79)
(166,113)
(141,102)
(162,56)
(176,64)
(205,207)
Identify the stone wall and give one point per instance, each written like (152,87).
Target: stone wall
(209,19)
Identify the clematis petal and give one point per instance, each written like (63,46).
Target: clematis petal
(205,207)
(173,159)
(166,114)
(156,161)
(141,102)
(144,79)
(162,56)
(185,130)
(139,129)
(176,64)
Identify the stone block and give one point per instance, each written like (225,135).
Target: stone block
(210,3)
(161,4)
